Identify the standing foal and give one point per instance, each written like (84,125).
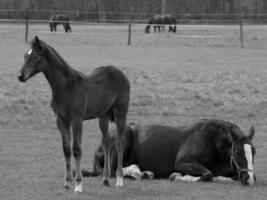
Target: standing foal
(104,94)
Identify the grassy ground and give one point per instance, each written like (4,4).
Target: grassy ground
(175,79)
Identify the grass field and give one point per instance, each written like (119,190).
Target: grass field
(175,80)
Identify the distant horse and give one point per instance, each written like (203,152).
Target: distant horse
(104,94)
(59,19)
(159,21)
(205,151)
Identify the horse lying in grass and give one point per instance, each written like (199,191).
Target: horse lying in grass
(205,151)
(104,94)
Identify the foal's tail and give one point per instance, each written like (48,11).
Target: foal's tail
(86,173)
(90,174)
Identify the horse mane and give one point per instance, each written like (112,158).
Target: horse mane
(217,126)
(49,52)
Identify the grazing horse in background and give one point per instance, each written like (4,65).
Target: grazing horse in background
(159,21)
(59,19)
(104,94)
(207,150)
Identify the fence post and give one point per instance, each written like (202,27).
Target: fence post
(241,32)
(26,25)
(129,32)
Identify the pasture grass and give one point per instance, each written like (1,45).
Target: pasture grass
(174,81)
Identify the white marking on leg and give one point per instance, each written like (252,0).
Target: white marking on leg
(190,178)
(248,154)
(222,179)
(29,52)
(78,187)
(119,181)
(132,171)
(179,177)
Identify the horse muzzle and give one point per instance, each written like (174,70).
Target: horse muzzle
(247,178)
(21,77)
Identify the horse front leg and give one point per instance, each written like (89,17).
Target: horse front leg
(121,127)
(64,129)
(191,168)
(77,151)
(106,142)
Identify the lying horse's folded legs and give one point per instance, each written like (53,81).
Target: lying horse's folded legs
(194,169)
(77,151)
(64,129)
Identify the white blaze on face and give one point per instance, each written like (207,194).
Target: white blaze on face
(29,52)
(248,154)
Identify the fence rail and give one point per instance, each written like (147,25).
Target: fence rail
(28,17)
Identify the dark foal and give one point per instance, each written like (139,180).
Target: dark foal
(104,94)
(207,150)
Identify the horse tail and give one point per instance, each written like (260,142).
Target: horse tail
(111,115)
(90,174)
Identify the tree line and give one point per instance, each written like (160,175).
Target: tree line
(112,9)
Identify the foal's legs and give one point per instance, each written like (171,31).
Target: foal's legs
(77,151)
(103,125)
(121,125)
(64,129)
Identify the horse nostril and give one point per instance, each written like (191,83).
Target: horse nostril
(21,77)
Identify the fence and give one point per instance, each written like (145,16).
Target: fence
(92,17)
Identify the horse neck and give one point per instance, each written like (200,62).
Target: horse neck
(58,73)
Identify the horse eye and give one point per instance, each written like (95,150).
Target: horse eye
(35,57)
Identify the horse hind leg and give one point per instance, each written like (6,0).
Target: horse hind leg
(65,27)
(68,26)
(77,151)
(121,127)
(193,169)
(64,129)
(106,142)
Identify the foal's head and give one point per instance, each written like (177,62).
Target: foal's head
(242,157)
(34,61)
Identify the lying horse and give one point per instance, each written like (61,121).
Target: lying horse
(104,94)
(204,150)
(59,19)
(159,21)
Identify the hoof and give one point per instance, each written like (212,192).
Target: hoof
(207,177)
(174,176)
(67,187)
(148,175)
(78,188)
(119,182)
(106,182)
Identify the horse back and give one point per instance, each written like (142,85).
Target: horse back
(155,148)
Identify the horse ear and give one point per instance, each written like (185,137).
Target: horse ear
(251,132)
(37,43)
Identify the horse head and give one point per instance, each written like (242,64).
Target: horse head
(34,61)
(242,157)
(235,147)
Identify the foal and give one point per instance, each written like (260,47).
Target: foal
(104,94)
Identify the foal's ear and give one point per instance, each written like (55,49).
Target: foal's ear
(251,132)
(36,42)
